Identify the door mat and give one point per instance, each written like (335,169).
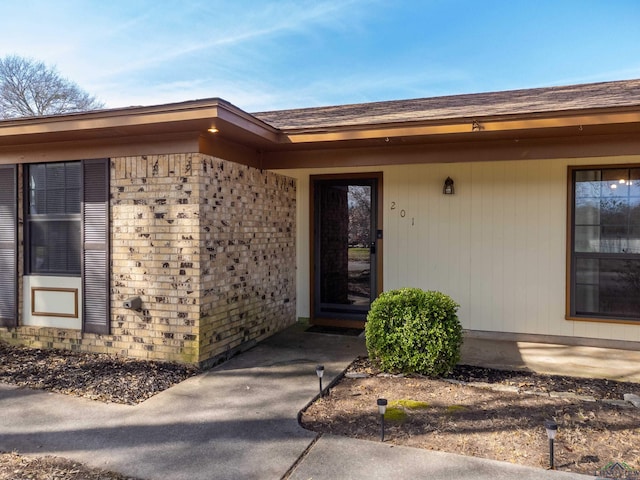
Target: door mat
(351,332)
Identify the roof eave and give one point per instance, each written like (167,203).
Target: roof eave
(533,123)
(196,117)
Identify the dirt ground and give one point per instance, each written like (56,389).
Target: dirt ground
(499,421)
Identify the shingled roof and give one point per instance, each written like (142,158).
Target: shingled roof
(515,102)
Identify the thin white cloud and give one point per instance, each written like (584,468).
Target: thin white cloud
(247,95)
(143,52)
(152,57)
(235,27)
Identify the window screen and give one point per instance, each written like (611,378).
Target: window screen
(53,218)
(605,246)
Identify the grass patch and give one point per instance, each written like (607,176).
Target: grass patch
(456,408)
(357,254)
(409,404)
(397,409)
(394,414)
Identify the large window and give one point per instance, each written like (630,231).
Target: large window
(53,220)
(605,243)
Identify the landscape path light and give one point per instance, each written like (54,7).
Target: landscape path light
(320,373)
(382,408)
(552,429)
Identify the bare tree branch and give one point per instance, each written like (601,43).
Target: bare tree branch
(359,215)
(28,88)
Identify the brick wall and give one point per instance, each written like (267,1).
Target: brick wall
(208,245)
(155,233)
(247,254)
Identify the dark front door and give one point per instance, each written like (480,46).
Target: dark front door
(346,248)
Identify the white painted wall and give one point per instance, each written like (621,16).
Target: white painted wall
(498,246)
(60,302)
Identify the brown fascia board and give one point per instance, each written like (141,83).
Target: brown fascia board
(539,111)
(239,127)
(193,116)
(531,124)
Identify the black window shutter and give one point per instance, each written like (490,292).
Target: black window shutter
(95,252)
(8,246)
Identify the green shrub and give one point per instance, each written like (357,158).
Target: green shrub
(413,331)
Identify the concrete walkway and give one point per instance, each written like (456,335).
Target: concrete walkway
(342,458)
(237,421)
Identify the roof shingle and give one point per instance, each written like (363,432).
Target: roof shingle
(515,102)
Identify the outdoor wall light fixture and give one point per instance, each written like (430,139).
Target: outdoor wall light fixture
(448,188)
(320,373)
(552,429)
(213,130)
(382,408)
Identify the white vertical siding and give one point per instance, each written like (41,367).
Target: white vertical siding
(303,306)
(498,246)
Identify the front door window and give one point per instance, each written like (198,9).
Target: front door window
(345,247)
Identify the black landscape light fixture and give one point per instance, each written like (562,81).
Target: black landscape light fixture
(448,188)
(320,373)
(552,429)
(382,408)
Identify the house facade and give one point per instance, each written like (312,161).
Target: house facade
(190,231)
(206,245)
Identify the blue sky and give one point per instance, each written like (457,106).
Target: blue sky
(264,55)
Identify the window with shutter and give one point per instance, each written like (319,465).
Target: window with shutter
(8,246)
(95,265)
(67,230)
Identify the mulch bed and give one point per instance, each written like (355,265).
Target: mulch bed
(503,421)
(19,467)
(106,378)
